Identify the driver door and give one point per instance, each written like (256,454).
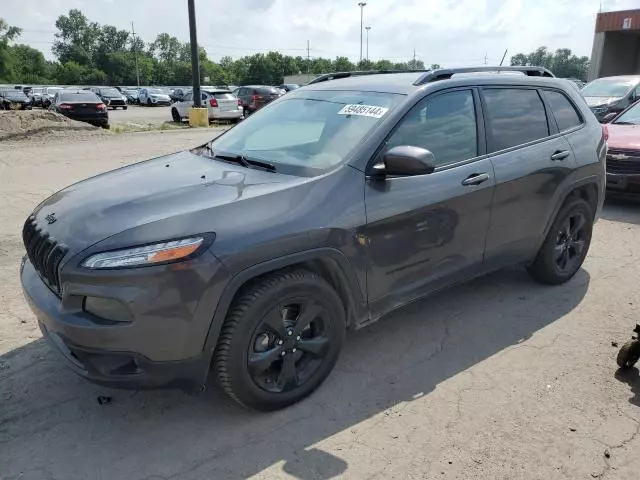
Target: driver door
(426,231)
(185,104)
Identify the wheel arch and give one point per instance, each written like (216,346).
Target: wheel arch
(587,189)
(330,264)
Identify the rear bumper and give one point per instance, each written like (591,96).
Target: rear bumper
(217,114)
(102,119)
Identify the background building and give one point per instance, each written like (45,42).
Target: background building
(616,44)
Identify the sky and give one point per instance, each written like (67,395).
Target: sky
(448,32)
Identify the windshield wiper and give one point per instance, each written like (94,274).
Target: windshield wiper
(624,123)
(244,161)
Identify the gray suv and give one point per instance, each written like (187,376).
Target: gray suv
(335,204)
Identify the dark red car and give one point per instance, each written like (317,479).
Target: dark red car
(254,97)
(623,157)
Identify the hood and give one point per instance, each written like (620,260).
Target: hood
(598,101)
(624,136)
(147,192)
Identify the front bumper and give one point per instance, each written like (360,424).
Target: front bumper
(623,184)
(163,344)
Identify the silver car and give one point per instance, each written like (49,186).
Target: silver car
(47,95)
(222,105)
(153,96)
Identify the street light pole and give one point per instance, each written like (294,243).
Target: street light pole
(367,28)
(195,58)
(361,5)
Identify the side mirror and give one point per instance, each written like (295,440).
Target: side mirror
(405,160)
(609,116)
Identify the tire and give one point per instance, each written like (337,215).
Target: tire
(566,246)
(124,108)
(269,308)
(175,115)
(149,103)
(246,112)
(629,354)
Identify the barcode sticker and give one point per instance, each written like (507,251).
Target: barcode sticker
(363,110)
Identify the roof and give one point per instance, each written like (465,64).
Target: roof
(632,78)
(408,82)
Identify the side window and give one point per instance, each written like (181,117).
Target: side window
(515,116)
(637,92)
(444,124)
(188,97)
(563,110)
(204,96)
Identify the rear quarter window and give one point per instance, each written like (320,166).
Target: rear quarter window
(563,110)
(267,91)
(515,116)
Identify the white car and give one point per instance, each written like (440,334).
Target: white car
(153,96)
(222,105)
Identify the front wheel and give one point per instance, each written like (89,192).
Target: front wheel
(280,340)
(149,103)
(566,245)
(124,108)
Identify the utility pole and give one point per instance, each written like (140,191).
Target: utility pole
(195,59)
(367,29)
(361,5)
(308,58)
(485,58)
(133,33)
(413,65)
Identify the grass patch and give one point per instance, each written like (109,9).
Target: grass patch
(146,127)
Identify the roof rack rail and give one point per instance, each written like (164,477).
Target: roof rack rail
(446,73)
(337,75)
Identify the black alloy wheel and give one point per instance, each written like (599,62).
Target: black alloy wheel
(566,245)
(570,242)
(288,345)
(280,339)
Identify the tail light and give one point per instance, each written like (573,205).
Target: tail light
(605,132)
(65,106)
(213,102)
(256,97)
(101,106)
(239,102)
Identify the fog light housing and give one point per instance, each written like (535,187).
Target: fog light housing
(107,309)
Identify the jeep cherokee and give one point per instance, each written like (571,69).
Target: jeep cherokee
(335,204)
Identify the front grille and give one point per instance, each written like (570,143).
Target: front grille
(116,102)
(623,161)
(44,252)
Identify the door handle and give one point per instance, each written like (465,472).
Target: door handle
(560,155)
(475,179)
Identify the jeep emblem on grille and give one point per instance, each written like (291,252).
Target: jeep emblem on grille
(51,218)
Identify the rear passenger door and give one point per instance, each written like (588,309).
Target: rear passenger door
(184,105)
(531,160)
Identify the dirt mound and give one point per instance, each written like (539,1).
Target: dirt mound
(26,123)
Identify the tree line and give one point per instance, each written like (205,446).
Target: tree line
(88,53)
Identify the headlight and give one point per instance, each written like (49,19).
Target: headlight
(146,255)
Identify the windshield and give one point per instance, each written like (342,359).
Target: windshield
(110,92)
(310,133)
(631,116)
(156,91)
(78,97)
(14,94)
(607,88)
(53,90)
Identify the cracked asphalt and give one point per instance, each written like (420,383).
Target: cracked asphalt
(497,379)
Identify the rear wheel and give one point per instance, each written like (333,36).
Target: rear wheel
(149,102)
(566,245)
(280,340)
(175,115)
(124,108)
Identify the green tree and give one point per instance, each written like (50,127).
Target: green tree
(77,38)
(29,65)
(563,63)
(7,34)
(341,64)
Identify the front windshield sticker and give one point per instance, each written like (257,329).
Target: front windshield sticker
(363,110)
